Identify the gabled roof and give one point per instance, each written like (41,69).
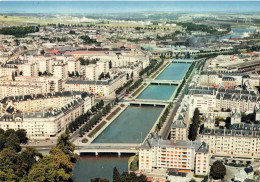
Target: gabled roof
(178,124)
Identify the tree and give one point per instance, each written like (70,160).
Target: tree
(42,52)
(110,64)
(81,132)
(116,175)
(193,130)
(21,133)
(107,75)
(132,75)
(66,146)
(2,141)
(28,158)
(10,168)
(116,100)
(101,102)
(127,76)
(13,142)
(218,170)
(101,76)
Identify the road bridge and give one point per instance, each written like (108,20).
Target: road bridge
(162,82)
(187,61)
(119,148)
(146,102)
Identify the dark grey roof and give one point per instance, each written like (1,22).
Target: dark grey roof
(178,124)
(155,141)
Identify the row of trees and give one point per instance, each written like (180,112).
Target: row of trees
(102,75)
(73,126)
(127,84)
(72,74)
(151,68)
(18,31)
(94,120)
(126,177)
(30,165)
(190,70)
(193,130)
(88,61)
(134,86)
(214,54)
(163,117)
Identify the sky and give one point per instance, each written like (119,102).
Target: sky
(97,7)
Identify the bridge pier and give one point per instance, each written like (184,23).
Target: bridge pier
(96,153)
(119,154)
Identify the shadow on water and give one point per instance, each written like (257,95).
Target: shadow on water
(90,166)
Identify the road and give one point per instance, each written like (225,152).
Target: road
(164,132)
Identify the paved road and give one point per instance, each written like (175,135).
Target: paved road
(164,132)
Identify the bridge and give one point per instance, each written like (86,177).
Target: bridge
(163,82)
(147,102)
(114,148)
(183,61)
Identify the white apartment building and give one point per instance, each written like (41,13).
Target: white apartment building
(100,87)
(48,121)
(91,72)
(45,64)
(60,70)
(29,85)
(8,71)
(73,65)
(30,69)
(180,155)
(240,140)
(208,99)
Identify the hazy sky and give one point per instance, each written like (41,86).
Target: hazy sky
(126,6)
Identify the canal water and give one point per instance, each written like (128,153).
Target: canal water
(157,92)
(90,167)
(174,71)
(131,126)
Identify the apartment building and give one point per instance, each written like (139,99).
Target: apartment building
(240,140)
(60,70)
(208,99)
(100,87)
(44,121)
(182,156)
(30,69)
(180,122)
(23,85)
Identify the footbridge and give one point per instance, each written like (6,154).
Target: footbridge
(163,82)
(111,148)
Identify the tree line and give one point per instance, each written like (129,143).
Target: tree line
(134,86)
(74,125)
(18,31)
(124,177)
(151,68)
(29,165)
(204,28)
(127,84)
(163,117)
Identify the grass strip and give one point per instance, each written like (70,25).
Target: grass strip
(113,113)
(92,133)
(137,91)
